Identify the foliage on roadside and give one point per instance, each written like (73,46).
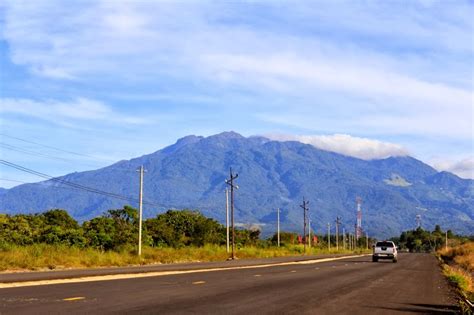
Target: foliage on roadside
(458,267)
(117,229)
(53,240)
(47,256)
(421,240)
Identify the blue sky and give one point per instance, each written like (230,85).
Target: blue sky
(112,80)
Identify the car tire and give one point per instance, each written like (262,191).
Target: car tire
(375,259)
(395,260)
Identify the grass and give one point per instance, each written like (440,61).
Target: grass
(461,255)
(43,256)
(458,267)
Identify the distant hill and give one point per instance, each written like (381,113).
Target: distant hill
(272,174)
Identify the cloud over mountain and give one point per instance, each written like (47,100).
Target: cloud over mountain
(362,148)
(463,168)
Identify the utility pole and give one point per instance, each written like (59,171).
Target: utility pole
(309,233)
(356,234)
(367,239)
(343,238)
(446,244)
(140,197)
(338,222)
(278,226)
(305,209)
(329,236)
(230,182)
(227,219)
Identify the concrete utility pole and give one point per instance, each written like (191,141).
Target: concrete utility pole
(338,222)
(227,219)
(329,236)
(343,238)
(140,197)
(305,209)
(230,182)
(446,245)
(278,226)
(367,239)
(356,228)
(309,232)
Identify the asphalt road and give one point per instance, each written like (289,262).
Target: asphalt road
(349,286)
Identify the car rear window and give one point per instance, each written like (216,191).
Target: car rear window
(384,244)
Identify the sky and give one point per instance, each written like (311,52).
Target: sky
(86,83)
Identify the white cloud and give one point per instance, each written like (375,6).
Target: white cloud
(384,68)
(361,148)
(420,93)
(464,168)
(62,112)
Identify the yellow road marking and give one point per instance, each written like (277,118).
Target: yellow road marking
(163,273)
(199,282)
(77,298)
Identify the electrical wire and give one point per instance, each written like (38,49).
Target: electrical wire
(75,185)
(49,147)
(21,150)
(44,155)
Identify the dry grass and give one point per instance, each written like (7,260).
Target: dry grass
(459,267)
(42,256)
(461,255)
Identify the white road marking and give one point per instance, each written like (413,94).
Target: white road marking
(163,273)
(199,282)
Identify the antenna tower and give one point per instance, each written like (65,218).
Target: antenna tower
(418,221)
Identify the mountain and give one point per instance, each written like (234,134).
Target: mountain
(272,174)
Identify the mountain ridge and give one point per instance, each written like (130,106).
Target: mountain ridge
(191,173)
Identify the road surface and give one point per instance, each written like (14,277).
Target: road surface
(349,286)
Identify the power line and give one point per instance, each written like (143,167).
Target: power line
(21,150)
(48,146)
(44,155)
(75,185)
(39,154)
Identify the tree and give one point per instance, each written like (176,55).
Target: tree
(116,229)
(60,228)
(181,228)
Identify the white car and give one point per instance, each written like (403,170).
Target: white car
(385,250)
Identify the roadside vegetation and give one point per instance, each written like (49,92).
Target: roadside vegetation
(53,240)
(424,241)
(458,267)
